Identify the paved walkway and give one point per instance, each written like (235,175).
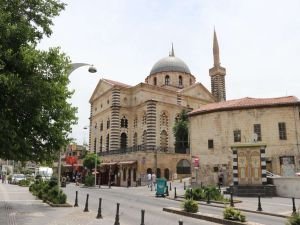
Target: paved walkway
(19,207)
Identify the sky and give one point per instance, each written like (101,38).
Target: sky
(259,44)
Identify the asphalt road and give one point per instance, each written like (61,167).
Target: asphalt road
(133,200)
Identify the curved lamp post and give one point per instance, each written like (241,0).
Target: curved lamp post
(74,66)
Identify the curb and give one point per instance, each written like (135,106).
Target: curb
(244,210)
(208,217)
(58,205)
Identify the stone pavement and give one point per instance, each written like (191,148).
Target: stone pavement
(19,207)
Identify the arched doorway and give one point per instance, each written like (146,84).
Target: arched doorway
(149,171)
(183,167)
(123,141)
(158,173)
(167,173)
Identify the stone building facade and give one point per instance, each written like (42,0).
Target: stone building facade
(131,127)
(271,122)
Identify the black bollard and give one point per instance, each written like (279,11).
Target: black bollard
(117,222)
(180,222)
(167,191)
(143,217)
(208,197)
(259,205)
(76,200)
(294,207)
(99,215)
(86,208)
(231,200)
(175,195)
(184,187)
(170,186)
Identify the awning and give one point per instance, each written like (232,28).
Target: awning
(129,162)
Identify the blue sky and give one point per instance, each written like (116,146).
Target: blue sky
(259,44)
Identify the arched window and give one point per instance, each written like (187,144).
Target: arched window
(183,167)
(135,141)
(164,141)
(154,81)
(167,80)
(101,126)
(124,122)
(101,143)
(108,124)
(135,121)
(144,138)
(167,173)
(123,141)
(180,80)
(158,173)
(164,119)
(107,143)
(144,118)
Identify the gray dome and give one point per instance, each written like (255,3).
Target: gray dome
(170,64)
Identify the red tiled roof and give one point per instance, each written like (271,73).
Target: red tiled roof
(116,83)
(245,103)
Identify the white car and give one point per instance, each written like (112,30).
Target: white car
(16,178)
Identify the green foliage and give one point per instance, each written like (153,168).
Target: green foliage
(89,181)
(47,191)
(190,206)
(201,194)
(35,116)
(89,161)
(294,219)
(24,183)
(180,130)
(231,213)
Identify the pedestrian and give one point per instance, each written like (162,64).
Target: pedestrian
(149,178)
(153,179)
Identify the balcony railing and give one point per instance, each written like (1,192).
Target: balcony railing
(142,148)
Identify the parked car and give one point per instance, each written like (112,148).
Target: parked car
(297,174)
(16,178)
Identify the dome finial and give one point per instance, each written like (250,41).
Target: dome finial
(172,54)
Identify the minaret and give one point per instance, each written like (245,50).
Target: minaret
(217,74)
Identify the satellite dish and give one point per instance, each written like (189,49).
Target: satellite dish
(255,136)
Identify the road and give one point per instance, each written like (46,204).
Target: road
(132,200)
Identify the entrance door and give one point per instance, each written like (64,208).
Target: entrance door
(249,167)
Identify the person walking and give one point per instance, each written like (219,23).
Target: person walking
(149,178)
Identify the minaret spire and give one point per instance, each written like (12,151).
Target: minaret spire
(216,50)
(172,51)
(217,74)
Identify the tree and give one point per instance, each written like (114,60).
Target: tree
(180,130)
(35,117)
(89,161)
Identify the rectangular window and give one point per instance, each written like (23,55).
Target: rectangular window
(282,131)
(210,143)
(257,132)
(237,135)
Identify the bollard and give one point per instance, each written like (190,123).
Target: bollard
(208,197)
(142,217)
(99,215)
(86,208)
(76,200)
(259,205)
(231,199)
(180,222)
(175,195)
(184,187)
(170,186)
(117,222)
(294,207)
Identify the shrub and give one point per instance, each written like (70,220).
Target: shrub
(24,183)
(89,180)
(190,206)
(231,213)
(294,219)
(201,194)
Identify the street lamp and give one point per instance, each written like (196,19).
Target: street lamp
(74,66)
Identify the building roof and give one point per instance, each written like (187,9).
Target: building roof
(170,64)
(112,82)
(246,103)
